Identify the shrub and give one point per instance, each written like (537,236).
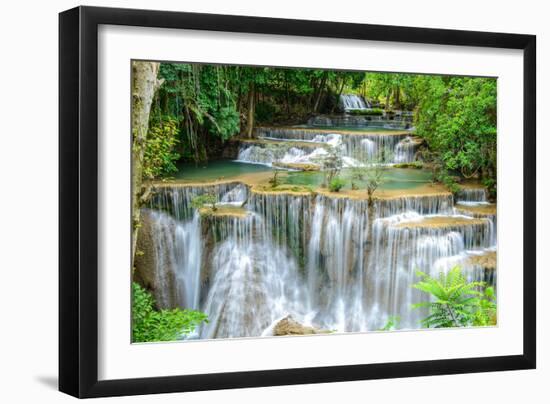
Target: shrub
(336,184)
(149,325)
(414,164)
(200,201)
(159,154)
(366,112)
(455,302)
(449,181)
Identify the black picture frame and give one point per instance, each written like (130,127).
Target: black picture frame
(78,201)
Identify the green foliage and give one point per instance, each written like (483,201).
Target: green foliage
(210,104)
(336,184)
(366,112)
(491,185)
(200,201)
(265,112)
(159,156)
(224,122)
(396,89)
(391,324)
(149,325)
(415,164)
(449,181)
(457,117)
(202,100)
(486,315)
(456,302)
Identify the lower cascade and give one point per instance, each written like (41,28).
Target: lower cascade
(318,261)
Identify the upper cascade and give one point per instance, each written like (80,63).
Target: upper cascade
(296,145)
(353,101)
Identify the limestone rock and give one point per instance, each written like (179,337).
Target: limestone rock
(289,326)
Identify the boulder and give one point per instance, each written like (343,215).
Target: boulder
(289,326)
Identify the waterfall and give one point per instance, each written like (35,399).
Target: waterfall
(402,245)
(352,101)
(334,263)
(472,196)
(361,147)
(177,200)
(423,204)
(255,281)
(257,154)
(287,217)
(178,251)
(362,121)
(405,150)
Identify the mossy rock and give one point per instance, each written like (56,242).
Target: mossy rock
(297,166)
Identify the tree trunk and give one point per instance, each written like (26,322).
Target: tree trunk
(340,91)
(287,97)
(320,93)
(144,86)
(397,98)
(251,107)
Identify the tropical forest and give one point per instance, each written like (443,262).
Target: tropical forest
(274,201)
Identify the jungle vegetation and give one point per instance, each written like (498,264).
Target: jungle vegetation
(199,107)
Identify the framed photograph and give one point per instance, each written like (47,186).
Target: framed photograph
(252,202)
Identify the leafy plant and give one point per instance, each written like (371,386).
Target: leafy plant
(449,181)
(203,200)
(149,325)
(391,324)
(336,184)
(454,301)
(486,315)
(159,155)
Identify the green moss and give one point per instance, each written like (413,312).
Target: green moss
(366,112)
(415,164)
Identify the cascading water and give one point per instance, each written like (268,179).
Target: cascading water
(329,262)
(423,205)
(405,150)
(177,200)
(178,251)
(254,280)
(404,244)
(355,148)
(335,258)
(472,196)
(353,101)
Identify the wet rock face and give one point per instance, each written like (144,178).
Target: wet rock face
(144,272)
(289,326)
(165,246)
(231,150)
(145,267)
